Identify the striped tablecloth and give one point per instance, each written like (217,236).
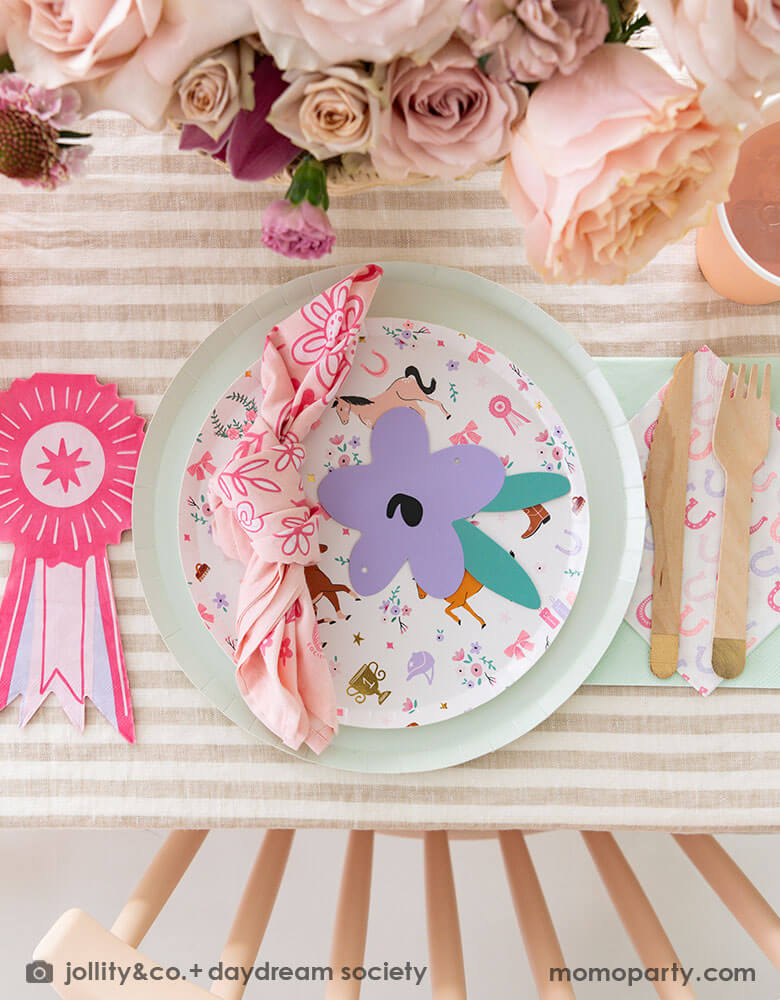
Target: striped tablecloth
(123,274)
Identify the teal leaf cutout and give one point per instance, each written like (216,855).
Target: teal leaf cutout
(494,568)
(527,489)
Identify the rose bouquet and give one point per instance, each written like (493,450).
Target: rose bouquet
(606,158)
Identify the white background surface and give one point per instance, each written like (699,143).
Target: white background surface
(47,872)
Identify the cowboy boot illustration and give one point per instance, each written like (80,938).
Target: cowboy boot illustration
(537,516)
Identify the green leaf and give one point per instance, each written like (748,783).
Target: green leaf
(68,134)
(615,21)
(526,489)
(6,63)
(309,183)
(494,568)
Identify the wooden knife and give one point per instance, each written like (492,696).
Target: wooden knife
(666,481)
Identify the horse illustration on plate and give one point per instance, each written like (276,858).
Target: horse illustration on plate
(408,390)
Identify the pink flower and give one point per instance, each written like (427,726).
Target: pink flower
(611,164)
(30,119)
(301,231)
(301,530)
(336,439)
(476,670)
(59,107)
(530,40)
(459,655)
(344,460)
(291,453)
(333,318)
(541,436)
(407,324)
(444,118)
(408,705)
(732,47)
(305,35)
(251,414)
(557,454)
(233,433)
(251,148)
(56,42)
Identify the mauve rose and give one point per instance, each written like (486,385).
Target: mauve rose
(215,89)
(314,34)
(446,117)
(328,113)
(301,231)
(532,39)
(77,40)
(730,46)
(611,164)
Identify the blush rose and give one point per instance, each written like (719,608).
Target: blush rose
(611,164)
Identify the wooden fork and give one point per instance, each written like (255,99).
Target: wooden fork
(740,444)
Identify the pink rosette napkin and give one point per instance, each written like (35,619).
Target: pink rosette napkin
(703,523)
(262,516)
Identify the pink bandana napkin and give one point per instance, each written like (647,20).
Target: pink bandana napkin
(262,516)
(703,522)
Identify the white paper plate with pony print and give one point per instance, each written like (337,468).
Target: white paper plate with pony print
(455,530)
(469,413)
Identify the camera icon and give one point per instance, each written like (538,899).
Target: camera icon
(40,972)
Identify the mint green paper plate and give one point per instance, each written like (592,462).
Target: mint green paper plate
(587,405)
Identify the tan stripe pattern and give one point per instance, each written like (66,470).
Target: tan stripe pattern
(124,274)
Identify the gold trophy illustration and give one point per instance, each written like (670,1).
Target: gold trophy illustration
(366,682)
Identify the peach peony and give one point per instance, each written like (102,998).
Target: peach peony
(445,118)
(314,34)
(612,163)
(732,47)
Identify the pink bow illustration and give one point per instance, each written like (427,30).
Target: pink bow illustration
(205,465)
(469,433)
(481,353)
(523,642)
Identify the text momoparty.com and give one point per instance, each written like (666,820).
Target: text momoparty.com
(139,971)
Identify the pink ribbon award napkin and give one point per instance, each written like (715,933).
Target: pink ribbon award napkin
(703,520)
(262,516)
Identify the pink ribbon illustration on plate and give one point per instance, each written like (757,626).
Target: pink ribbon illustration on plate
(203,467)
(469,433)
(520,646)
(69,448)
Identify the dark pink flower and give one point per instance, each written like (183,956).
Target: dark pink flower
(301,231)
(252,149)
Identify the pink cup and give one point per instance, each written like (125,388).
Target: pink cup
(739,249)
